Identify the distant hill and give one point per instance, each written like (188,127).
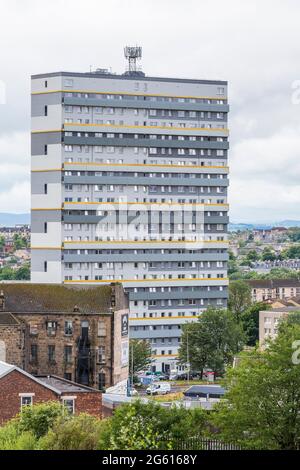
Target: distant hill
(264,226)
(10,220)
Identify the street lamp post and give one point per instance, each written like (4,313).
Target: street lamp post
(187,357)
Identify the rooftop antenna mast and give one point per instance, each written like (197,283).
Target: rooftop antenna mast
(133,54)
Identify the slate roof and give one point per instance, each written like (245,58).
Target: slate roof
(63,385)
(51,298)
(272,283)
(52,382)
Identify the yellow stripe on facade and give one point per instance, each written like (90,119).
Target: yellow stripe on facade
(164,355)
(46,131)
(46,209)
(131,94)
(124,126)
(108,242)
(45,247)
(46,170)
(179,167)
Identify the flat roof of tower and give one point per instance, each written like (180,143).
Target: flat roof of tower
(129,77)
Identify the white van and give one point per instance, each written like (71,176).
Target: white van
(159,388)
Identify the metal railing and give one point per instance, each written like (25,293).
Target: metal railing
(200,443)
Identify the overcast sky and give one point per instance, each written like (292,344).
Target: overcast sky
(255,45)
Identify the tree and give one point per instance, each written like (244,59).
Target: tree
(19,242)
(252,255)
(239,298)
(150,426)
(23,273)
(268,254)
(282,273)
(250,322)
(263,398)
(40,418)
(293,252)
(294,234)
(211,342)
(139,355)
(232,263)
(7,273)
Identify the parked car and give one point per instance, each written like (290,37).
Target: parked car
(186,376)
(158,388)
(163,377)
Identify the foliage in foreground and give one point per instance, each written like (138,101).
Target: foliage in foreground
(261,411)
(150,426)
(133,426)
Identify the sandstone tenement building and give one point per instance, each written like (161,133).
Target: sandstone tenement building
(79,333)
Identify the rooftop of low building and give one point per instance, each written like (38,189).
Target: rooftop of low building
(52,382)
(272,283)
(55,298)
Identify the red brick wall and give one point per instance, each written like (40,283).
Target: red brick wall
(89,402)
(14,383)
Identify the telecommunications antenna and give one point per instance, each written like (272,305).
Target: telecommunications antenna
(133,54)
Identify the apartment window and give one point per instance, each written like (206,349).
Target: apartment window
(101,328)
(221,91)
(68,354)
(51,353)
(101,355)
(45,227)
(69,404)
(33,353)
(51,327)
(46,84)
(45,149)
(68,329)
(45,266)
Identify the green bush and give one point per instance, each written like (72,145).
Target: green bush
(11,438)
(82,432)
(150,426)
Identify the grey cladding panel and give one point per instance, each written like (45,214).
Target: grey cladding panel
(39,140)
(38,102)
